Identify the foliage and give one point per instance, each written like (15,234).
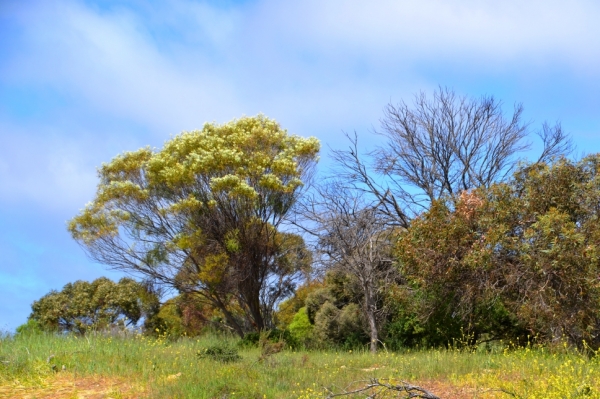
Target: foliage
(30,327)
(355,241)
(98,305)
(202,215)
(339,327)
(168,320)
(182,315)
(316,299)
(516,259)
(331,315)
(288,309)
(220,352)
(267,338)
(300,328)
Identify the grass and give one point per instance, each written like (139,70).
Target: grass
(141,367)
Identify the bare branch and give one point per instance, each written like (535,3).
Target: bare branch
(353,237)
(449,144)
(375,386)
(556,142)
(440,147)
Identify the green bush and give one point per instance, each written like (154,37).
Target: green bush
(220,352)
(339,327)
(300,328)
(252,339)
(100,305)
(168,320)
(315,300)
(32,327)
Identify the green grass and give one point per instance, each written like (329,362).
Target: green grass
(155,364)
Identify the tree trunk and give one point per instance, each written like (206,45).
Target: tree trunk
(231,321)
(370,308)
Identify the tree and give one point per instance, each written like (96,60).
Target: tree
(202,215)
(517,257)
(82,306)
(440,147)
(352,237)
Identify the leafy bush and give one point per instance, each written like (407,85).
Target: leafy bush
(517,258)
(220,352)
(253,339)
(300,328)
(288,309)
(100,305)
(339,327)
(32,327)
(315,300)
(168,321)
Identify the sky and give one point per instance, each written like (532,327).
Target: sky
(82,81)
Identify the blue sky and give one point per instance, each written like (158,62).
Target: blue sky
(81,81)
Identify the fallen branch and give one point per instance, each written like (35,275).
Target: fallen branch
(376,386)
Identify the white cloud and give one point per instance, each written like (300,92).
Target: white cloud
(109,60)
(318,67)
(181,63)
(429,30)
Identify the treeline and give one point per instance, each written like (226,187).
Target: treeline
(443,233)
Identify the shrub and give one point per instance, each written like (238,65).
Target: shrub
(32,327)
(339,327)
(220,352)
(253,339)
(316,300)
(517,258)
(288,309)
(300,328)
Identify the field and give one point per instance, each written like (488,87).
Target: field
(46,366)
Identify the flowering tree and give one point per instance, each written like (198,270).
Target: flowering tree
(202,215)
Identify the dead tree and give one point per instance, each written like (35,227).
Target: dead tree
(441,147)
(352,237)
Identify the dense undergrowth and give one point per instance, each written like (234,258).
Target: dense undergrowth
(193,368)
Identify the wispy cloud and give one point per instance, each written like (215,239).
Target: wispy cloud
(110,61)
(490,32)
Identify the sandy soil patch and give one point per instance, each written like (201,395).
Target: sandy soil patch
(448,390)
(70,386)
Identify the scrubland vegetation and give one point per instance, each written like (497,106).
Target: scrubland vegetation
(442,259)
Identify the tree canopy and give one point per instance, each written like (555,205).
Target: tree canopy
(517,257)
(203,213)
(98,305)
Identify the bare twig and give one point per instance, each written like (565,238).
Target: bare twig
(376,386)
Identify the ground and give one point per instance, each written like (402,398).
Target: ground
(72,386)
